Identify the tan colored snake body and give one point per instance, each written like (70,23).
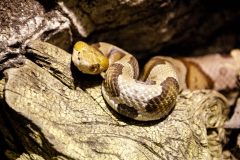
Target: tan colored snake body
(152,95)
(148,97)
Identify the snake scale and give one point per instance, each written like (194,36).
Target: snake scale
(152,94)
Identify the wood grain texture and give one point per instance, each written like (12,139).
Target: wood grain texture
(53,120)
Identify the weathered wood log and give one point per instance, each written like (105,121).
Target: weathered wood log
(52,120)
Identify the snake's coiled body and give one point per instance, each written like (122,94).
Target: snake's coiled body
(150,96)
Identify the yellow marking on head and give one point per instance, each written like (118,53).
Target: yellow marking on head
(88,59)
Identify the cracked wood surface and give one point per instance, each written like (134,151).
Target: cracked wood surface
(78,127)
(52,119)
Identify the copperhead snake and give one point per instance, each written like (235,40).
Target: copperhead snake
(152,94)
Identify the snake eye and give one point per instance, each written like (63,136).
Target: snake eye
(94,67)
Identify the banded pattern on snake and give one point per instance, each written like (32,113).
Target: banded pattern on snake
(152,95)
(148,97)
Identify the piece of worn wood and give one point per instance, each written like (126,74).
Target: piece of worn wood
(54,120)
(61,120)
(22,21)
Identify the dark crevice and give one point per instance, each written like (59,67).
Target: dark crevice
(48,5)
(232,143)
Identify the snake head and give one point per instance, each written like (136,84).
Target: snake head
(88,59)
